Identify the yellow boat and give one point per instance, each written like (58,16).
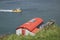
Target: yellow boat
(17,10)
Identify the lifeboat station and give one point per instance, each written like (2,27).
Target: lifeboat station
(30,27)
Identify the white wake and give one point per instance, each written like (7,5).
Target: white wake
(5,10)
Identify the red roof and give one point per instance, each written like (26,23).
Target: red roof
(32,24)
(35,30)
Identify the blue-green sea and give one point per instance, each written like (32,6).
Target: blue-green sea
(46,9)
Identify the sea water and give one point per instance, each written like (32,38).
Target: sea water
(46,9)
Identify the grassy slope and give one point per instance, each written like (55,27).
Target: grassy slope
(49,33)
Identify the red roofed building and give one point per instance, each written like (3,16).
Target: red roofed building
(29,27)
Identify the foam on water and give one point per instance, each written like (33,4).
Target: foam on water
(5,10)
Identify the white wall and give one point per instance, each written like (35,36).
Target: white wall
(19,32)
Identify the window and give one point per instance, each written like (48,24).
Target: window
(40,25)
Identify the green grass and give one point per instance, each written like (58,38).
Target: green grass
(48,33)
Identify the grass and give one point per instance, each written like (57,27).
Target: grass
(48,33)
